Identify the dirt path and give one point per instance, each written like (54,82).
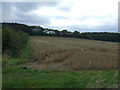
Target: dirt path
(52,66)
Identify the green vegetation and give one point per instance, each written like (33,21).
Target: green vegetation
(25,56)
(18,77)
(13,42)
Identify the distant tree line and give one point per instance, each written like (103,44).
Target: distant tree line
(40,31)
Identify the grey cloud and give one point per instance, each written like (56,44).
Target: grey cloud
(93,29)
(41,20)
(64,8)
(60,17)
(31,19)
(6,8)
(22,12)
(27,6)
(32,6)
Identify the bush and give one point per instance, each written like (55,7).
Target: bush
(13,41)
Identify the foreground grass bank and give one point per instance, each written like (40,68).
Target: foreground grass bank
(19,77)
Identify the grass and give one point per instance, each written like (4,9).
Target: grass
(15,61)
(18,77)
(26,52)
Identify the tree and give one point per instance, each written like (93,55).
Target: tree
(76,34)
(13,41)
(64,33)
(57,33)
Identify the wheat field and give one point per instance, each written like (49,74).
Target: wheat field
(58,53)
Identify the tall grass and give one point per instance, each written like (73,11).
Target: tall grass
(25,56)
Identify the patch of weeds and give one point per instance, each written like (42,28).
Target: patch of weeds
(26,52)
(17,61)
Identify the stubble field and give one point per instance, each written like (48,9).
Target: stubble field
(58,53)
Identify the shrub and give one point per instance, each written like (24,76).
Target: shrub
(13,41)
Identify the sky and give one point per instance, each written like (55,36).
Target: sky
(80,15)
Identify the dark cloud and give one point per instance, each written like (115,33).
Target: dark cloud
(39,20)
(33,6)
(30,19)
(22,12)
(27,6)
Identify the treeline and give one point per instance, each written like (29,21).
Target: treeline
(40,31)
(13,41)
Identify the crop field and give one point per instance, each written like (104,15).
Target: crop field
(58,53)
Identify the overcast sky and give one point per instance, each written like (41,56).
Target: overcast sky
(80,15)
